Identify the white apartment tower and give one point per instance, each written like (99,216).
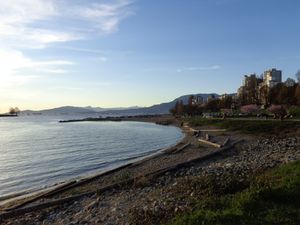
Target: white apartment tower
(272,77)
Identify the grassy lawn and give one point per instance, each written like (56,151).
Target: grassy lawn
(248,126)
(272,198)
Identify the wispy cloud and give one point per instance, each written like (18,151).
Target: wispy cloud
(106,17)
(23,23)
(38,24)
(26,11)
(17,69)
(53,71)
(87,50)
(213,67)
(98,54)
(29,23)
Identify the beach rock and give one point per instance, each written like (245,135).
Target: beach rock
(173,192)
(92,205)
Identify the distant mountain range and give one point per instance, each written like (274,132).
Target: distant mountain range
(74,110)
(162,108)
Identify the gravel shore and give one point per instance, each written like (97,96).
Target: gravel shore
(152,200)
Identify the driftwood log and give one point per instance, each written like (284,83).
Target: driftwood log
(21,210)
(210,143)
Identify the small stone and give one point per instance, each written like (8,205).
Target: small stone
(92,205)
(115,209)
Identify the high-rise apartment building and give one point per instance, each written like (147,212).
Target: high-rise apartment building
(272,77)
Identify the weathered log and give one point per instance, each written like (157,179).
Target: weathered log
(65,187)
(213,130)
(40,206)
(210,143)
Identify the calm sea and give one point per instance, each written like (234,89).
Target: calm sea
(37,151)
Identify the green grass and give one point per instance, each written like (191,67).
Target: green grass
(295,111)
(272,198)
(248,126)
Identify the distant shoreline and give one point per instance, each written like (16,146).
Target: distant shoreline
(8,115)
(158,119)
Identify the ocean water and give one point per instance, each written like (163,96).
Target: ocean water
(37,151)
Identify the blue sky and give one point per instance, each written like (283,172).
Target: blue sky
(138,52)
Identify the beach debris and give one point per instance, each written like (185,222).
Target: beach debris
(18,211)
(207,137)
(210,143)
(213,130)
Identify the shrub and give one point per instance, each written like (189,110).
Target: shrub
(277,110)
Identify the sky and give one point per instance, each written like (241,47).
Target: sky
(119,53)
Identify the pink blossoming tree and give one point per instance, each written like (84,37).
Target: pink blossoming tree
(249,109)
